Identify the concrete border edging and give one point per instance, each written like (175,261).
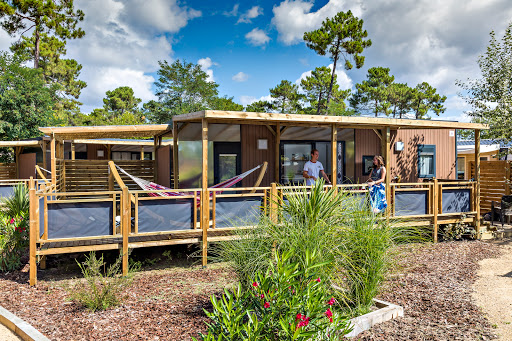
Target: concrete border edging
(387,311)
(20,327)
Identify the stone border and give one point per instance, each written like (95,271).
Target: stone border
(20,327)
(386,312)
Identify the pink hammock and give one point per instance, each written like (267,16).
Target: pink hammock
(148,185)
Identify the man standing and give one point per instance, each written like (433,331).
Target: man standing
(313,168)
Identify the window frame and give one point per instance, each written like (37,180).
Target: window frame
(426,148)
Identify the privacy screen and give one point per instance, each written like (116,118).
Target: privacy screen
(158,215)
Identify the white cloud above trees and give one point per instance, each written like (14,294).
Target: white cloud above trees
(257,37)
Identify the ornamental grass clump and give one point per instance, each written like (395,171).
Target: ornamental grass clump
(100,290)
(286,302)
(18,203)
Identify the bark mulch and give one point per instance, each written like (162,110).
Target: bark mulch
(433,284)
(435,291)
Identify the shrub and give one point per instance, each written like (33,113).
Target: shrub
(14,238)
(100,290)
(18,203)
(287,302)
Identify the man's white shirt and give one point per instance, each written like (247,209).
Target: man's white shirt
(313,169)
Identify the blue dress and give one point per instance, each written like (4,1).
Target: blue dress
(377,192)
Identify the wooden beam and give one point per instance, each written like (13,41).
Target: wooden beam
(334,154)
(175,159)
(205,197)
(142,152)
(34,216)
(155,161)
(271,130)
(386,154)
(477,180)
(53,160)
(44,146)
(277,164)
(73,151)
(17,152)
(109,152)
(283,129)
(125,227)
(435,208)
(379,135)
(181,127)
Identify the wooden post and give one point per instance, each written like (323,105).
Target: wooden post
(142,153)
(17,152)
(175,159)
(125,226)
(205,197)
(507,178)
(277,154)
(435,208)
(72,151)
(155,161)
(53,160)
(386,154)
(334,155)
(477,180)
(34,214)
(109,152)
(273,203)
(44,146)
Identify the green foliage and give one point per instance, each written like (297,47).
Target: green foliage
(14,238)
(57,17)
(370,95)
(316,88)
(426,99)
(182,88)
(456,231)
(342,36)
(286,98)
(491,96)
(26,103)
(287,302)
(259,106)
(225,103)
(17,204)
(120,107)
(100,291)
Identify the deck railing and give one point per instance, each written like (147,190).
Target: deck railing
(65,222)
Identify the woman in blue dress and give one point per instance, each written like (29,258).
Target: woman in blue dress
(376,185)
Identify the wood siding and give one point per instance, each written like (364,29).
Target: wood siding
(164,166)
(92,152)
(252,156)
(405,163)
(27,165)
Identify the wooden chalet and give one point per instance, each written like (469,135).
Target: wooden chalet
(67,215)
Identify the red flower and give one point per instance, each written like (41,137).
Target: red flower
(12,221)
(266,305)
(318,280)
(255,284)
(331,301)
(262,295)
(328,313)
(304,322)
(298,317)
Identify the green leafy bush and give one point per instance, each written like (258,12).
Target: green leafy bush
(14,239)
(287,302)
(100,290)
(18,203)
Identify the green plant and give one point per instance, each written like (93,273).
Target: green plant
(287,302)
(18,203)
(455,231)
(100,290)
(13,241)
(167,254)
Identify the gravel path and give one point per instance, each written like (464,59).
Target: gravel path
(492,291)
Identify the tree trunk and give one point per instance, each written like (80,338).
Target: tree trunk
(36,45)
(319,103)
(333,72)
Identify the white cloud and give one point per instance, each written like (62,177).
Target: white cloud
(252,13)
(246,100)
(240,77)
(206,64)
(257,37)
(109,78)
(294,17)
(233,12)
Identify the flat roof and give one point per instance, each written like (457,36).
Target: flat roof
(98,132)
(361,122)
(125,142)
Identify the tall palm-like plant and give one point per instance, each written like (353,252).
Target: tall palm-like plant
(18,204)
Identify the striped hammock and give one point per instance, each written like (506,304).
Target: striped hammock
(149,186)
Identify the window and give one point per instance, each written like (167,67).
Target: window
(461,168)
(426,160)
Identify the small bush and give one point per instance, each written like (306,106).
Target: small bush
(287,302)
(100,291)
(18,204)
(14,241)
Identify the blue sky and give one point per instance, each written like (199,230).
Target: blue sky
(250,47)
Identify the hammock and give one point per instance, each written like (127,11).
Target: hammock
(148,185)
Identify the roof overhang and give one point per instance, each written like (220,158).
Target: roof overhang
(98,132)
(23,143)
(236,117)
(121,142)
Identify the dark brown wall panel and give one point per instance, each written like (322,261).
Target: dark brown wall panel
(252,156)
(27,165)
(92,153)
(366,143)
(164,166)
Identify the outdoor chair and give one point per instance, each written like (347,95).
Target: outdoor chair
(504,207)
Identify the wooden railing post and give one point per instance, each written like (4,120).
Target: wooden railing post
(435,208)
(205,222)
(34,215)
(125,226)
(273,203)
